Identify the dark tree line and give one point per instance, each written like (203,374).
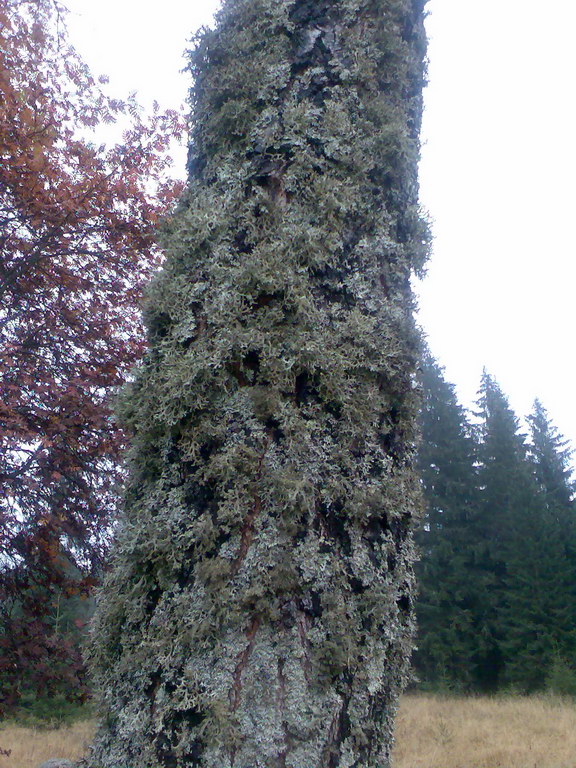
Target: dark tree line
(497,601)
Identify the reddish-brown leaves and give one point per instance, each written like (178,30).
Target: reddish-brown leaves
(77,226)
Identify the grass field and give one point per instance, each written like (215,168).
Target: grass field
(510,732)
(432,732)
(31,746)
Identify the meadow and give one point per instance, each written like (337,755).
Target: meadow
(432,732)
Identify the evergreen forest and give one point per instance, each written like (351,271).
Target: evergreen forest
(497,571)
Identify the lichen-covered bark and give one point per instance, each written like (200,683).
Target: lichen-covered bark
(259,611)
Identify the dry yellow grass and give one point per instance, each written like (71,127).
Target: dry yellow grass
(31,746)
(431,732)
(511,732)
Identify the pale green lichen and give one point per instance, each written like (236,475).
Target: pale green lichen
(259,613)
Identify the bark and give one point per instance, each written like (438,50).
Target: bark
(259,609)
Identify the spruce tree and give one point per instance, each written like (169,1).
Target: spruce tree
(506,500)
(505,475)
(550,456)
(259,608)
(449,587)
(498,570)
(538,605)
(540,588)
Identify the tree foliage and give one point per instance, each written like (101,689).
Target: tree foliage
(450,582)
(77,239)
(550,456)
(540,617)
(508,500)
(498,568)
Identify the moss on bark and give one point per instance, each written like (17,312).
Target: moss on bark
(259,609)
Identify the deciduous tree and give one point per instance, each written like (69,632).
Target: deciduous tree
(77,239)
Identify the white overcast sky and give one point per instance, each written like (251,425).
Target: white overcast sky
(497,174)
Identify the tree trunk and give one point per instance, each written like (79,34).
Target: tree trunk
(259,608)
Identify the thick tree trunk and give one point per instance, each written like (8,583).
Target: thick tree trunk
(259,611)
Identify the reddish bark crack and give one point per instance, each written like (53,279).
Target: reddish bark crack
(247,536)
(247,533)
(303,621)
(242,661)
